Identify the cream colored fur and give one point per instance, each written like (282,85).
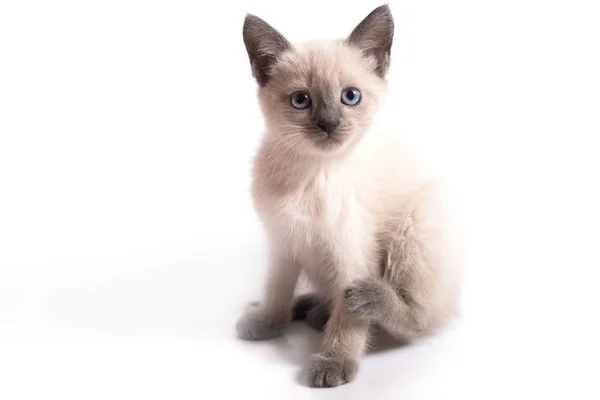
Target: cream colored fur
(359,212)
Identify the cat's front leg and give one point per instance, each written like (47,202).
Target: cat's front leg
(343,343)
(269,318)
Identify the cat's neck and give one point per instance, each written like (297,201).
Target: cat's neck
(285,169)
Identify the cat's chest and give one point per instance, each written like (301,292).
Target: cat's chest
(325,209)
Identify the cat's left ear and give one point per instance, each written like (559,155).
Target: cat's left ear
(374,36)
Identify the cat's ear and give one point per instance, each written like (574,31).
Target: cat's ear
(374,36)
(264,45)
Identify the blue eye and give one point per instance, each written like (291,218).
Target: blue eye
(300,100)
(350,96)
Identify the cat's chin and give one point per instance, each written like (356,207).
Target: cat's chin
(329,145)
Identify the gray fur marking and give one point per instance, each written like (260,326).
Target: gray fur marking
(264,44)
(312,309)
(368,298)
(374,36)
(330,372)
(254,326)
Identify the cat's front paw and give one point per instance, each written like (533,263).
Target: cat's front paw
(255,324)
(366,298)
(326,372)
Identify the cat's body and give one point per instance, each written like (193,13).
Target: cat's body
(342,202)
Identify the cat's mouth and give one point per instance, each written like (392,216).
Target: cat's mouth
(329,142)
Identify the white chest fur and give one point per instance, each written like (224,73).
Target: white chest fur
(327,227)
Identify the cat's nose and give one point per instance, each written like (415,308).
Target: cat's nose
(327,126)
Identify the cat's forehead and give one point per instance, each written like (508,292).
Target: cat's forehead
(329,64)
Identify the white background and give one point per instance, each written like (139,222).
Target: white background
(129,246)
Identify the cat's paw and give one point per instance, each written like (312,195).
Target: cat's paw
(302,305)
(326,372)
(255,325)
(317,317)
(366,298)
(312,309)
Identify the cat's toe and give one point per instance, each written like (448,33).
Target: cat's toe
(256,326)
(326,372)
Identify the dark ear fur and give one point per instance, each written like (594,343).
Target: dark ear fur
(374,36)
(263,44)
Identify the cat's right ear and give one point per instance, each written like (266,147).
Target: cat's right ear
(264,45)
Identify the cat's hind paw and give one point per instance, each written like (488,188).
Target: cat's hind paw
(366,298)
(312,309)
(255,325)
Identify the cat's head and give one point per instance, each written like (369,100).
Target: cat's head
(320,97)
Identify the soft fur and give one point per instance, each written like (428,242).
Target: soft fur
(351,210)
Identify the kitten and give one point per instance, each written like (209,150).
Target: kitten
(341,202)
